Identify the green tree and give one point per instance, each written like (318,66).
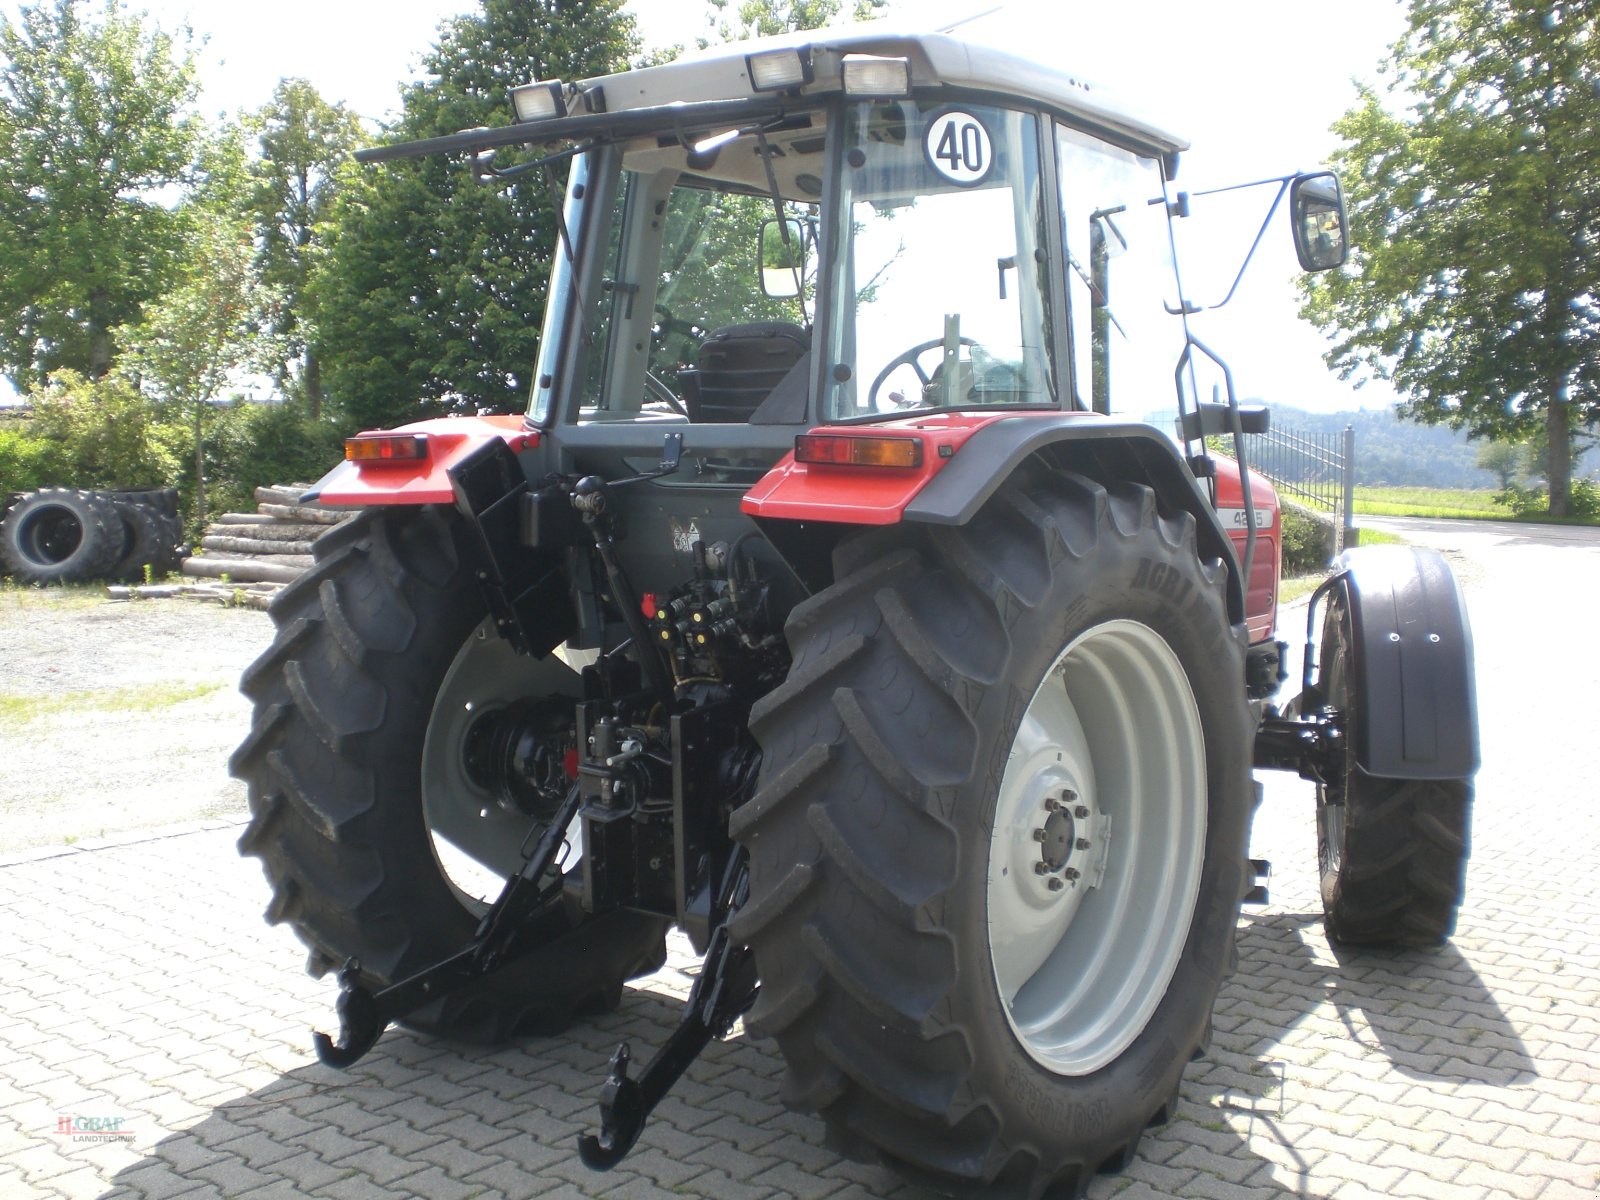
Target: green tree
(98,137)
(303,141)
(103,433)
(204,330)
(1475,283)
(1504,459)
(735,20)
(435,283)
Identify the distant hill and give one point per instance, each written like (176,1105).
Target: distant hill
(1395,453)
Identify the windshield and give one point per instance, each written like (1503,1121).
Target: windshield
(943,262)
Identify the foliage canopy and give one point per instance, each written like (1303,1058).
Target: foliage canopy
(1475,282)
(435,283)
(303,142)
(98,135)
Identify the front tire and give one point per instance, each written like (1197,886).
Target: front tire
(1062,664)
(1392,853)
(358,788)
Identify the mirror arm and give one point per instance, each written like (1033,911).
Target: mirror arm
(1283,186)
(554,195)
(783,221)
(484,171)
(772,185)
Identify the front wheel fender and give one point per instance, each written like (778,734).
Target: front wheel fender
(1412,665)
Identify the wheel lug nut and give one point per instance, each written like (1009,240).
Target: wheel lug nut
(1055,884)
(1081,812)
(1040,868)
(1083,843)
(1070,873)
(1038,835)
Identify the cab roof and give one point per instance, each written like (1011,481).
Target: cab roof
(721,73)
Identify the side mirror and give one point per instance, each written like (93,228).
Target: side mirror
(783,258)
(1316,214)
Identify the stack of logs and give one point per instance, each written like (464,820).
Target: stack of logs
(246,558)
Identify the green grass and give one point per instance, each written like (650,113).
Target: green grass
(16,597)
(1293,587)
(153,698)
(1429,502)
(1458,503)
(1381,537)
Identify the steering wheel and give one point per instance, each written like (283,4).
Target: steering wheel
(656,388)
(909,358)
(667,325)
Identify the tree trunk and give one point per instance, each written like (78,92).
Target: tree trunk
(312,381)
(99,333)
(199,462)
(1558,427)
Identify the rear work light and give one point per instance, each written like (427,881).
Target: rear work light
(850,450)
(538,101)
(387,448)
(779,70)
(869,75)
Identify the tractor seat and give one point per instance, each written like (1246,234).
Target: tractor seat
(738,366)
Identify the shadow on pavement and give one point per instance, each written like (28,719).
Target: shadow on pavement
(423,1118)
(1427,1011)
(419,1117)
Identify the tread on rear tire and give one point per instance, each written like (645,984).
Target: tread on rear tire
(341,819)
(873,849)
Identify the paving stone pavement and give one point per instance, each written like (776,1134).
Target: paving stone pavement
(143,990)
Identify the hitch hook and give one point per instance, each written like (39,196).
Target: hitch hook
(724,992)
(360,1026)
(622,1117)
(365,1014)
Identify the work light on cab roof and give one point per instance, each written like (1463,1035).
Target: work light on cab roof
(779,70)
(541,100)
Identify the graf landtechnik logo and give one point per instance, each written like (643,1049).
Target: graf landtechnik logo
(93,1129)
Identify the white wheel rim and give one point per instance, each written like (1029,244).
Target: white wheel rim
(1097,847)
(477,843)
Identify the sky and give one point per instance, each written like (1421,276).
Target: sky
(1253,84)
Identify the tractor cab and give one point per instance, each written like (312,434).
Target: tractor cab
(852,227)
(764,243)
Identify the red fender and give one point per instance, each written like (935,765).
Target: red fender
(878,495)
(796,491)
(421,481)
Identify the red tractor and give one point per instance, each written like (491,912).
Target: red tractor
(859,595)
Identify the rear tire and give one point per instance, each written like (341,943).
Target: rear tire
(354,767)
(59,535)
(1392,852)
(950,683)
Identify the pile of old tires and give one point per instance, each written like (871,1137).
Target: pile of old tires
(69,535)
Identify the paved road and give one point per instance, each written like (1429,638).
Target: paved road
(142,989)
(1443,534)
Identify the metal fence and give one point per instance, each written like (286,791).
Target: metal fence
(1317,469)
